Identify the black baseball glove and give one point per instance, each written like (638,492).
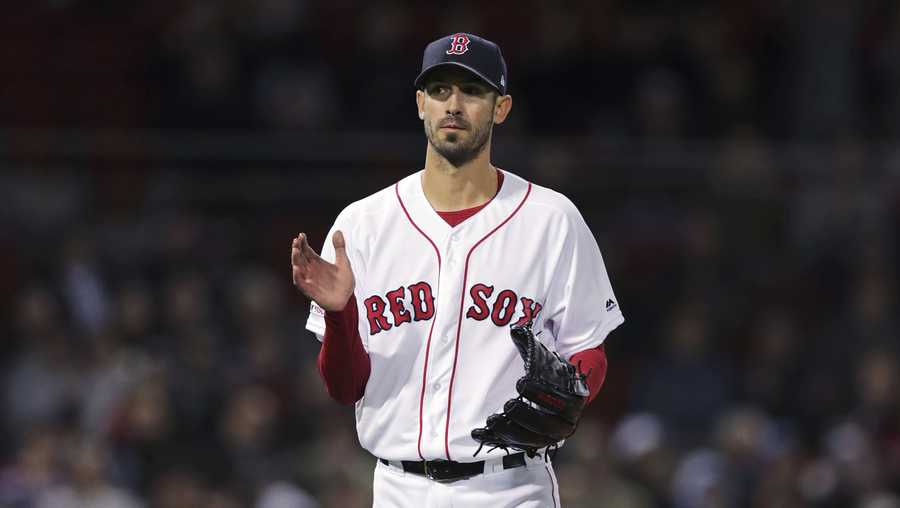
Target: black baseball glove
(552,394)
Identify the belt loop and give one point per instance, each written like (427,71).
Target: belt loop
(493,465)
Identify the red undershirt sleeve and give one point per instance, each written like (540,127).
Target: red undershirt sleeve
(343,361)
(593,362)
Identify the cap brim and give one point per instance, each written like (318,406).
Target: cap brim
(422,75)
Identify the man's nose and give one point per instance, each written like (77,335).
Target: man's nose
(453,103)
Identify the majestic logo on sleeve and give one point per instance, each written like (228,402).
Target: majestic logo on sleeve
(416,303)
(459,44)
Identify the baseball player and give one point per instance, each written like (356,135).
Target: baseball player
(418,288)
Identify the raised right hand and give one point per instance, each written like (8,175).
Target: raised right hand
(328,284)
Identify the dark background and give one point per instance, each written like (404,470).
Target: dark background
(737,161)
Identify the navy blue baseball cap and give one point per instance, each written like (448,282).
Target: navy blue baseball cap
(475,54)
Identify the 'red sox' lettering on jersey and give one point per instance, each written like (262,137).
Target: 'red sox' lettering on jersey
(503,307)
(390,311)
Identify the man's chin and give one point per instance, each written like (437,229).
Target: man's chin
(457,155)
(452,147)
(449,145)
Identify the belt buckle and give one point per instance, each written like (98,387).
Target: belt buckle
(439,470)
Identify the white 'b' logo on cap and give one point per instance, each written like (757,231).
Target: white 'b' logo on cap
(459,44)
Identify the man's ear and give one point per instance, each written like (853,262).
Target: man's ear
(502,106)
(420,103)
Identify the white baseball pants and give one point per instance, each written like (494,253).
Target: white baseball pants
(530,486)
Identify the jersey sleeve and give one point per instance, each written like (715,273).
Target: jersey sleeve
(315,323)
(583,309)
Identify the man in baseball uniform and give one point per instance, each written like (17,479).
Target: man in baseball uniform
(418,285)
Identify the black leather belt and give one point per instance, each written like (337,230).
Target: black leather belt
(446,471)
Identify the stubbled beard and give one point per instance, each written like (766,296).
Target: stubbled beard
(459,152)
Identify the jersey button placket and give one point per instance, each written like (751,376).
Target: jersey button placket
(451,250)
(437,414)
(441,361)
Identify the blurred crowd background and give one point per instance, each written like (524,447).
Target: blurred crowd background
(737,160)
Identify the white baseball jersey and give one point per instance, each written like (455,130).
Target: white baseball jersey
(436,302)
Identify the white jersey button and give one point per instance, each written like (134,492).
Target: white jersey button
(436,387)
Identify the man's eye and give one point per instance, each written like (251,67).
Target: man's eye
(437,90)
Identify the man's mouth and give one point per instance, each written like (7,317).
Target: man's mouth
(452,125)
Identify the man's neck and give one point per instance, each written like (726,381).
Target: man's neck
(450,188)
